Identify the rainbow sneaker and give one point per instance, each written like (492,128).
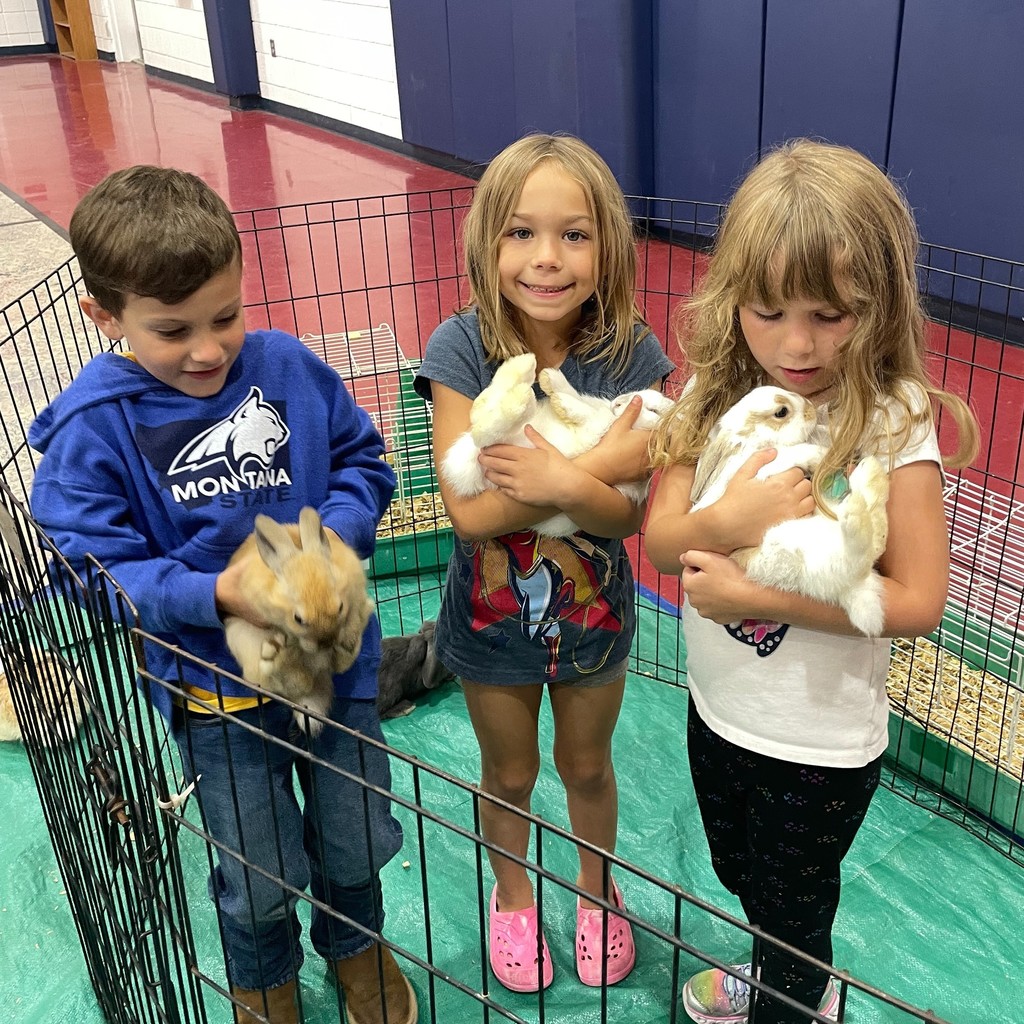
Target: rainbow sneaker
(713,996)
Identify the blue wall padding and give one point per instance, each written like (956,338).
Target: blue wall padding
(420,30)
(483,83)
(545,88)
(706,97)
(958,124)
(614,56)
(473,77)
(232,48)
(680,98)
(829,69)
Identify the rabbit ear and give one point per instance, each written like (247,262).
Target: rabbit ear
(311,531)
(273,542)
(432,673)
(720,450)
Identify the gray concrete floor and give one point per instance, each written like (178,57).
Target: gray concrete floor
(29,250)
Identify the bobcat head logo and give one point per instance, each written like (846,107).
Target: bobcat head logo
(254,431)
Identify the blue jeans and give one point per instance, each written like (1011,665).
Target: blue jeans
(335,844)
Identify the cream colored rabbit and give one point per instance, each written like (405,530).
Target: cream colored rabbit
(572,422)
(311,586)
(828,559)
(51,691)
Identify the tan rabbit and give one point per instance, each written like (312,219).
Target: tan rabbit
(56,706)
(311,586)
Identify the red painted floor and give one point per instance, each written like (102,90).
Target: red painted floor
(65,125)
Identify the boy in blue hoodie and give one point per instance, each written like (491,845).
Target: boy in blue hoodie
(156,462)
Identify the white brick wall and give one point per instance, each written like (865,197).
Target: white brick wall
(331,57)
(173,34)
(101,26)
(20,24)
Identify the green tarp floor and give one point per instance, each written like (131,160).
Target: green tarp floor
(929,913)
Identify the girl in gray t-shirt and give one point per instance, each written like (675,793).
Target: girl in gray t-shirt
(551,263)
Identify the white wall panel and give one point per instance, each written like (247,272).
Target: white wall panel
(20,24)
(335,58)
(173,35)
(330,57)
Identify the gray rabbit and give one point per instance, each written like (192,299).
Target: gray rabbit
(408,668)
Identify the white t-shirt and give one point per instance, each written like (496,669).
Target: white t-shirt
(799,694)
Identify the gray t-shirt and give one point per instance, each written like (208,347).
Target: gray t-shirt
(524,608)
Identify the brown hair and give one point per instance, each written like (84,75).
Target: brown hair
(609,318)
(819,222)
(151,231)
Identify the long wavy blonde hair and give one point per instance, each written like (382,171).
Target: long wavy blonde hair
(606,327)
(822,223)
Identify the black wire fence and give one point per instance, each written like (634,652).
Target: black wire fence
(363,283)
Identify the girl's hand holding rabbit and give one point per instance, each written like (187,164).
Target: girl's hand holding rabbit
(747,508)
(750,506)
(716,587)
(541,475)
(621,456)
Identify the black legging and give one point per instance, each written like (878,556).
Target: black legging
(778,832)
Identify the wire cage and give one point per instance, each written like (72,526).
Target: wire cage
(362,283)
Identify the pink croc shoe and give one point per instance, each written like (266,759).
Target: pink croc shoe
(513,948)
(619,950)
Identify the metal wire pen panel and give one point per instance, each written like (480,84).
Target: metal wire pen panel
(134,852)
(363,283)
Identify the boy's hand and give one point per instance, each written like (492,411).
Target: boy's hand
(229,596)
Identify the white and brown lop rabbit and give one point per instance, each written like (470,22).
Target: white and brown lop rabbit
(312,588)
(571,422)
(830,560)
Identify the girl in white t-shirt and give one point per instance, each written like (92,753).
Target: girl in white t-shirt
(812,288)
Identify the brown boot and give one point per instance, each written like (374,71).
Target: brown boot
(360,977)
(276,1005)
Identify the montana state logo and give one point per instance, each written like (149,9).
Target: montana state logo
(254,432)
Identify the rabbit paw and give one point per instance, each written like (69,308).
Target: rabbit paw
(552,381)
(515,371)
(870,479)
(564,400)
(271,652)
(345,654)
(864,513)
(497,414)
(349,640)
(506,403)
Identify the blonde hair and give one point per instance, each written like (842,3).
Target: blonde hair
(822,223)
(606,327)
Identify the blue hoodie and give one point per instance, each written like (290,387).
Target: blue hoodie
(161,488)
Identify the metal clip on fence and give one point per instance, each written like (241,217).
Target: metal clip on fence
(120,812)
